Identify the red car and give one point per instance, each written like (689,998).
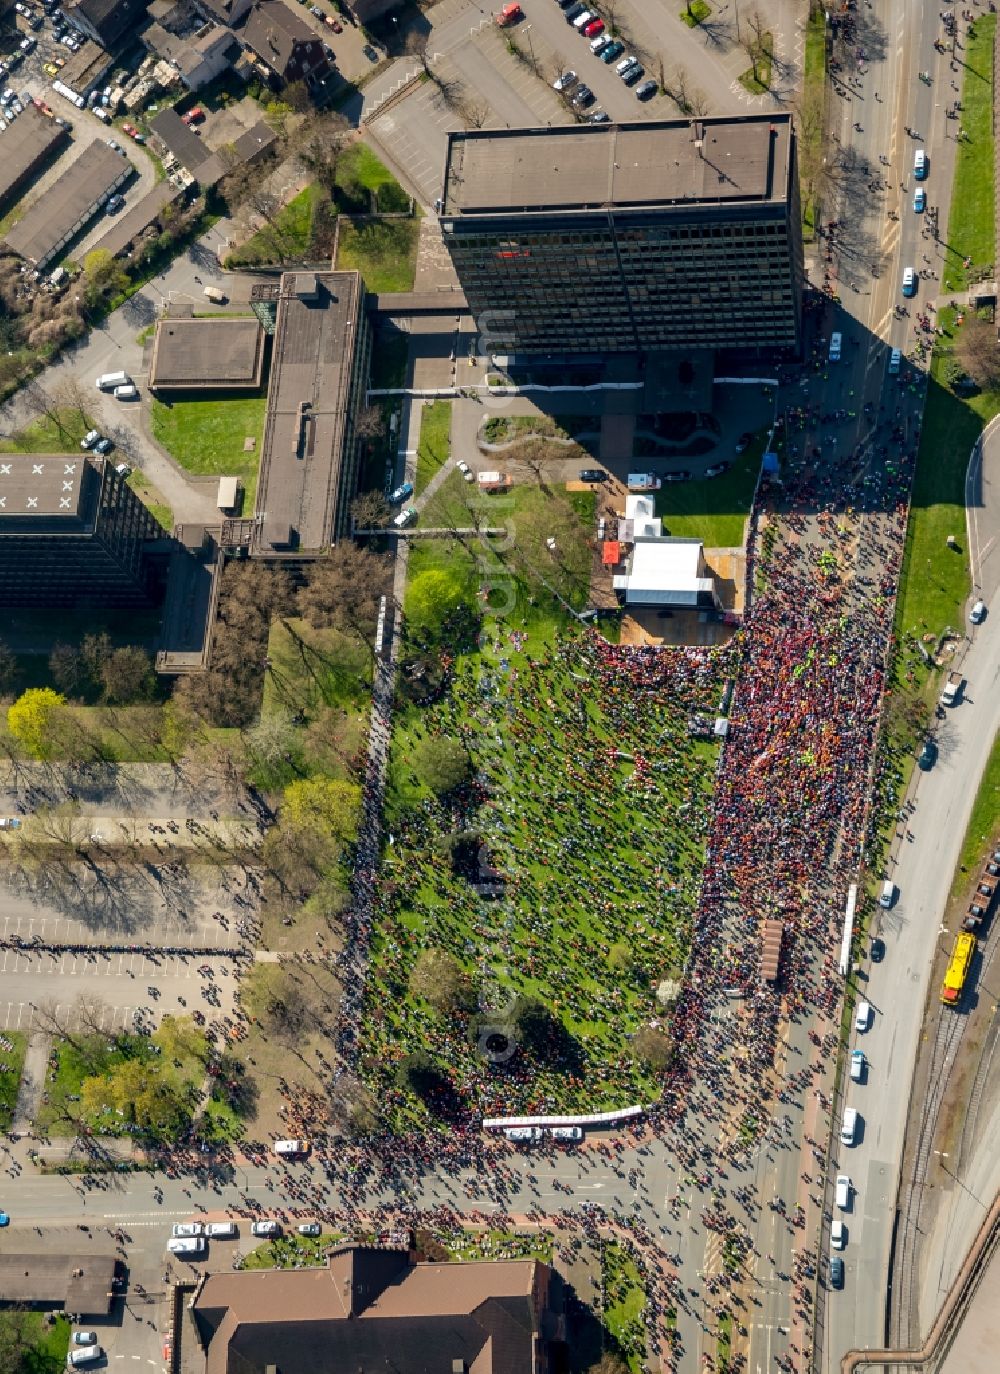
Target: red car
(592,29)
(130,129)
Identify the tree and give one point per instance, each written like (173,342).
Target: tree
(127,674)
(29,719)
(179,1038)
(323,804)
(273,740)
(433,596)
(370,510)
(370,423)
(10,669)
(67,668)
(442,763)
(653,1046)
(95,651)
(977,349)
(139,1090)
(439,978)
(344,591)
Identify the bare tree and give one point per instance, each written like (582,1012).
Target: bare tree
(370,510)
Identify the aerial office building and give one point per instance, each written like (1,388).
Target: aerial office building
(72,533)
(624,238)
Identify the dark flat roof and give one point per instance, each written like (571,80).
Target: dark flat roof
(185,145)
(81,1283)
(203,354)
(585,167)
(307,396)
(146,210)
(25,143)
(84,183)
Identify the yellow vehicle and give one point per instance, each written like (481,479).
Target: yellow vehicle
(51,69)
(958,969)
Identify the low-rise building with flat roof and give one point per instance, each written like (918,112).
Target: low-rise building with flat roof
(26,145)
(69,204)
(628,237)
(124,229)
(82,1283)
(319,371)
(223,354)
(86,68)
(72,533)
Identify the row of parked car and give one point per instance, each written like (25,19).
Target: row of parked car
(609,50)
(192,1237)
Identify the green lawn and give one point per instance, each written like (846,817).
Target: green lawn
(984,820)
(811,117)
(757,78)
(288,238)
(970,223)
(291,1251)
(625,1302)
(45,1335)
(582,785)
(434,447)
(59,433)
(714,510)
(697,12)
(11,1065)
(383,251)
(358,166)
(206,436)
(151,499)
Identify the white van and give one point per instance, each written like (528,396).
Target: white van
(84,1356)
(863,1016)
(843,1193)
(895,362)
(849,1128)
(214,294)
(836,340)
(221,1230)
(291,1147)
(194,1245)
(523,1135)
(920,164)
(567,1133)
(838,1235)
(110,380)
(888,894)
(128,392)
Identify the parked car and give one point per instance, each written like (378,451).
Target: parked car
(84,1337)
(633,74)
(187,1228)
(405,517)
(836,1272)
(593,28)
(647,90)
(103,446)
(599,43)
(682,475)
(265,1228)
(978,613)
(563,83)
(744,441)
(90,438)
(927,757)
(717,469)
(598,117)
(593,475)
(115,145)
(582,20)
(404,490)
(857,1065)
(583,96)
(612,51)
(626,64)
(465,470)
(4,1219)
(309,1228)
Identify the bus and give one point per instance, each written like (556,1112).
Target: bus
(958,969)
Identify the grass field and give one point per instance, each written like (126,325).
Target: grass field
(811,117)
(434,446)
(383,251)
(575,773)
(984,820)
(11,1065)
(288,238)
(970,222)
(289,1252)
(714,510)
(206,437)
(151,499)
(59,432)
(358,166)
(625,1302)
(45,1335)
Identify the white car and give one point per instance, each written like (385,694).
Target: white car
(857,1065)
(465,470)
(563,83)
(309,1228)
(567,1133)
(187,1228)
(523,1135)
(843,1192)
(186,1245)
(90,438)
(863,1016)
(838,1236)
(265,1228)
(978,613)
(626,64)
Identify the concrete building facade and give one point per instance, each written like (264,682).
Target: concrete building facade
(628,237)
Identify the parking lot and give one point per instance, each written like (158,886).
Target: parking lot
(30,80)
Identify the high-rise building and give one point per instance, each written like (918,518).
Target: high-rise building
(618,238)
(72,533)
